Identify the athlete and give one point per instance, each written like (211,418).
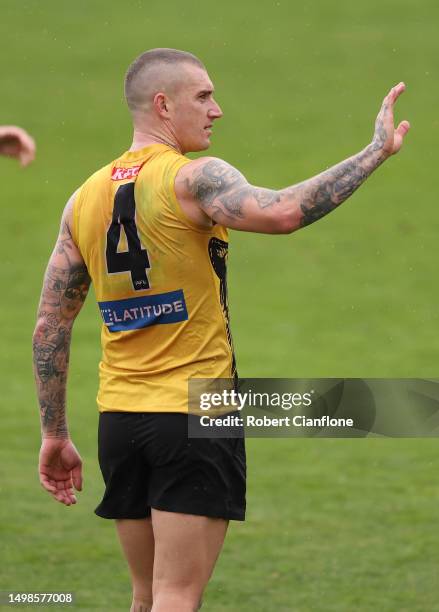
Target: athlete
(150,231)
(16,142)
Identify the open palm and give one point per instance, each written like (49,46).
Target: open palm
(60,469)
(386,137)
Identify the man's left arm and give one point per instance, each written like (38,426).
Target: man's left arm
(65,288)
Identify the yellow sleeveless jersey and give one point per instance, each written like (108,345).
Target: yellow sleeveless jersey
(159,280)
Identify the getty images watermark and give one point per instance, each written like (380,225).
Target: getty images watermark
(325,407)
(237,401)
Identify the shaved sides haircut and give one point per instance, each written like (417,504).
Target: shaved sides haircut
(153,71)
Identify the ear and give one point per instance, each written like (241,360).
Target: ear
(160,104)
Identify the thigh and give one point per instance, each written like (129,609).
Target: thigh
(186,550)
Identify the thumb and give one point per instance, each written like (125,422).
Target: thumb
(403,128)
(77,477)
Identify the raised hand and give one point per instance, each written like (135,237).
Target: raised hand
(16,142)
(386,137)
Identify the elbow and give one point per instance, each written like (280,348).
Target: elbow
(40,335)
(38,330)
(43,328)
(286,222)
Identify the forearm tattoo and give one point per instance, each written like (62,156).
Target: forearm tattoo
(320,195)
(64,290)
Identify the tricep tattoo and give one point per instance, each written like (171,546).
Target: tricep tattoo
(222,190)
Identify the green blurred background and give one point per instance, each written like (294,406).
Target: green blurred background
(333,525)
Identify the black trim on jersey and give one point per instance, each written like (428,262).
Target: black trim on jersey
(218,251)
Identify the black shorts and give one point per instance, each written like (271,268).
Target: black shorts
(148,461)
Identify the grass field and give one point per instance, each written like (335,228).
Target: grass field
(333,525)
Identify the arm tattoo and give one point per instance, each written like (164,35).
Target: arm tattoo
(320,195)
(323,193)
(225,195)
(51,359)
(380,135)
(222,189)
(65,288)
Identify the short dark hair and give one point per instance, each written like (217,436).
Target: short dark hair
(150,59)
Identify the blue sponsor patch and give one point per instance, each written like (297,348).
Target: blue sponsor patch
(138,312)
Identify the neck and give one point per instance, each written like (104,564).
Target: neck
(144,137)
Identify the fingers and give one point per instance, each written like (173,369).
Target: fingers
(27,147)
(403,128)
(61,490)
(26,157)
(394,94)
(27,152)
(47,484)
(396,91)
(65,496)
(24,144)
(77,477)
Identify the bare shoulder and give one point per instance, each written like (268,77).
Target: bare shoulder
(214,188)
(67,216)
(65,248)
(205,179)
(198,181)
(208,168)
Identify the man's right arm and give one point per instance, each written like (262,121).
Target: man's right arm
(225,196)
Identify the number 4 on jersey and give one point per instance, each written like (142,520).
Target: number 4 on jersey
(135,260)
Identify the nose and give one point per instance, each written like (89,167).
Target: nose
(215,112)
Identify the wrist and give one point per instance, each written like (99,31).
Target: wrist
(54,437)
(376,152)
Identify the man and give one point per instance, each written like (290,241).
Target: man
(150,230)
(16,142)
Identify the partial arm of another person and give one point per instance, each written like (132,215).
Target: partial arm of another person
(16,142)
(212,187)
(66,284)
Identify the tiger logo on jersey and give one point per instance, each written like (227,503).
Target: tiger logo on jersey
(218,252)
